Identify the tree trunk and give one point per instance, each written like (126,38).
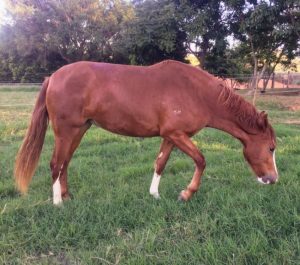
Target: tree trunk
(266,81)
(257,78)
(253,55)
(273,80)
(254,76)
(273,69)
(254,80)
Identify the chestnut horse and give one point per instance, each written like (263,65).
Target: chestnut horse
(169,99)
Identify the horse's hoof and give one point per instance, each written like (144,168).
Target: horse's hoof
(183,196)
(66,197)
(58,203)
(156,195)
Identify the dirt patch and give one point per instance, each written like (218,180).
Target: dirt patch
(290,101)
(286,102)
(282,109)
(294,107)
(293,122)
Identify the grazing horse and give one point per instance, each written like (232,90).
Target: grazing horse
(169,99)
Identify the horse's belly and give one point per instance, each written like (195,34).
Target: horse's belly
(127,125)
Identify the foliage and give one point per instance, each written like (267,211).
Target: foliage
(268,31)
(39,36)
(232,62)
(47,34)
(205,25)
(154,34)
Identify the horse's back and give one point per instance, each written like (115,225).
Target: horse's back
(130,100)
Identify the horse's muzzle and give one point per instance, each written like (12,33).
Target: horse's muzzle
(269,179)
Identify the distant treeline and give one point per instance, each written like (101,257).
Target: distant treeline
(228,37)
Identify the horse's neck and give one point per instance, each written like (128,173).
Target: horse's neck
(228,118)
(227,124)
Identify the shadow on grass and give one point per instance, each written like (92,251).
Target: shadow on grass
(9,193)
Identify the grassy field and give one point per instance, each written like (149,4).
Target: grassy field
(113,220)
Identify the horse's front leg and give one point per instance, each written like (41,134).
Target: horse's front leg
(184,143)
(160,163)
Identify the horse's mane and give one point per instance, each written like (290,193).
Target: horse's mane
(246,114)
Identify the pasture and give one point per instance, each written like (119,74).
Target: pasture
(112,219)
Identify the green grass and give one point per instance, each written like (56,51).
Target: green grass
(113,220)
(23,88)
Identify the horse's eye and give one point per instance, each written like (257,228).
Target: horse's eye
(272,149)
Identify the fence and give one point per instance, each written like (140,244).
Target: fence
(277,81)
(17,84)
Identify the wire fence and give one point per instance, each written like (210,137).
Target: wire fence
(18,84)
(275,81)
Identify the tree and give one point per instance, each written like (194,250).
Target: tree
(206,28)
(46,34)
(268,30)
(85,30)
(153,35)
(234,63)
(42,35)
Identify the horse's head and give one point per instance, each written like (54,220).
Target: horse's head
(259,151)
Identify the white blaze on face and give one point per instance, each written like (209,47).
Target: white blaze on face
(154,186)
(274,162)
(261,181)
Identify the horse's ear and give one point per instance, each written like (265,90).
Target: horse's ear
(263,120)
(265,115)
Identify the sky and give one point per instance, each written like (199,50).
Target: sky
(1,10)
(1,6)
(4,18)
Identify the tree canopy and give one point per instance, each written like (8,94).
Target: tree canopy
(228,37)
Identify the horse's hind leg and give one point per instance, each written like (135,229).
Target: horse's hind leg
(160,163)
(67,139)
(184,143)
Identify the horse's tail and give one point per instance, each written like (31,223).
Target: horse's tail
(29,153)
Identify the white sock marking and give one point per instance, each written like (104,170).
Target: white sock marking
(57,192)
(154,186)
(57,199)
